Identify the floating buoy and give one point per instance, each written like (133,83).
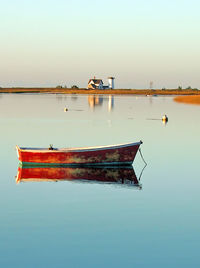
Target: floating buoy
(165,118)
(65,109)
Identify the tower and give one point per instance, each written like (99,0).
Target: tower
(111,82)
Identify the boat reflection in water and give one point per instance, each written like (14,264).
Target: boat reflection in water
(115,176)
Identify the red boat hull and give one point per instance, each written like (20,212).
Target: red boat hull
(104,175)
(109,155)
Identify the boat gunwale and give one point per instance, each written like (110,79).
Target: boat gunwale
(78,149)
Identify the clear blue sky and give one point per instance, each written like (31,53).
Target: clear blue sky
(51,42)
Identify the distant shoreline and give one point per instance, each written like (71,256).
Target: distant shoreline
(101,92)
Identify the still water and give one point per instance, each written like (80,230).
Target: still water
(47,223)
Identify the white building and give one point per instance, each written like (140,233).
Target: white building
(98,83)
(111,82)
(95,84)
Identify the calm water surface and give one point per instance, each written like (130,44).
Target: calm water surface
(80,224)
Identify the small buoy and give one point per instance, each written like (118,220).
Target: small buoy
(164,118)
(65,109)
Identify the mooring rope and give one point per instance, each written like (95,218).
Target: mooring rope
(142,157)
(144,163)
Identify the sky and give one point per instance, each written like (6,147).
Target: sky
(59,42)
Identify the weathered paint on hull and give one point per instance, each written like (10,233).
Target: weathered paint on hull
(116,155)
(105,175)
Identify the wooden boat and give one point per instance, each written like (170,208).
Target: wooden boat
(106,175)
(114,155)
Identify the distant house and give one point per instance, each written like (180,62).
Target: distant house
(95,84)
(98,83)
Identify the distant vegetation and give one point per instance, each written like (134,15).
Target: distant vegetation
(60,86)
(187,88)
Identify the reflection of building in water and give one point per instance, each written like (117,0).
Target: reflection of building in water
(95,100)
(110,103)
